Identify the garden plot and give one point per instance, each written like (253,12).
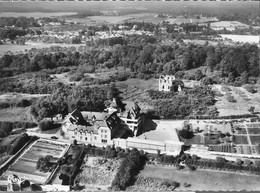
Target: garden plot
(151,178)
(98,173)
(241,139)
(25,165)
(255,139)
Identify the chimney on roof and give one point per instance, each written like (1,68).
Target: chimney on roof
(93,119)
(114,100)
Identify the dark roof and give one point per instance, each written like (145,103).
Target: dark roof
(99,116)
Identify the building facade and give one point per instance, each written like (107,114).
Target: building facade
(165,82)
(129,113)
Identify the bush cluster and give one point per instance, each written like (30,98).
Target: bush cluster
(129,167)
(7,127)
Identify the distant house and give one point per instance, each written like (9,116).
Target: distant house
(165,82)
(20,41)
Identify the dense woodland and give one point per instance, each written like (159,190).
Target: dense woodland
(141,57)
(146,57)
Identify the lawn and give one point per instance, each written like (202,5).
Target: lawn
(242,96)
(16,114)
(199,180)
(28,46)
(135,90)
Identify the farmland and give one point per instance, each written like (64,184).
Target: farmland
(28,46)
(241,38)
(241,139)
(97,173)
(25,165)
(255,139)
(35,14)
(151,177)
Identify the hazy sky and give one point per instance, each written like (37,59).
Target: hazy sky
(161,6)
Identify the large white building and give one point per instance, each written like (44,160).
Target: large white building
(122,125)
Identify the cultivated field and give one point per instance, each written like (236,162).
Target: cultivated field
(241,38)
(25,165)
(98,173)
(241,139)
(199,180)
(35,14)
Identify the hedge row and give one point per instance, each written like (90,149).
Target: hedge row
(129,167)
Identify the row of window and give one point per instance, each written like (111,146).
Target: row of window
(105,131)
(95,138)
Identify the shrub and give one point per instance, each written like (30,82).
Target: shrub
(231,99)
(250,88)
(23,103)
(46,125)
(19,143)
(46,164)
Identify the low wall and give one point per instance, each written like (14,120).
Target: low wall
(167,147)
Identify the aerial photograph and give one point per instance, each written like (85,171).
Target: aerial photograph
(133,96)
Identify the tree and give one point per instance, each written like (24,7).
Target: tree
(198,74)
(176,84)
(251,109)
(186,133)
(244,77)
(45,125)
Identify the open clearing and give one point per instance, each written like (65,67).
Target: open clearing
(140,17)
(242,38)
(28,46)
(16,114)
(98,173)
(35,14)
(135,90)
(18,96)
(25,165)
(244,100)
(199,180)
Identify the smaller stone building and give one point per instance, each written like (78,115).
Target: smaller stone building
(165,82)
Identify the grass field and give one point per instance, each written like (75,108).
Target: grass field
(16,114)
(35,14)
(199,180)
(135,90)
(242,96)
(28,46)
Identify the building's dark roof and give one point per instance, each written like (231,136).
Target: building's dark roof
(130,108)
(98,116)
